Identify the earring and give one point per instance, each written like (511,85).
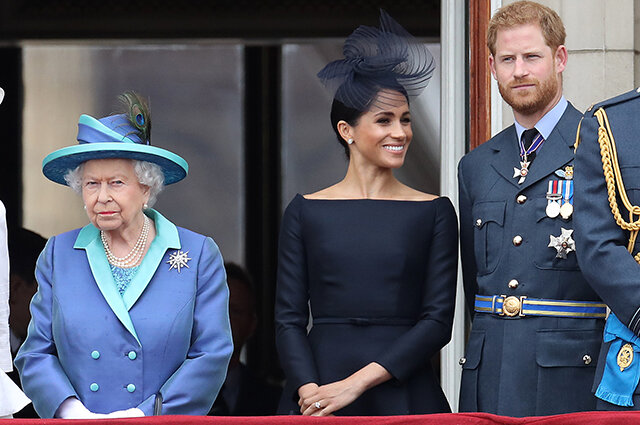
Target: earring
(85,207)
(350,141)
(145,206)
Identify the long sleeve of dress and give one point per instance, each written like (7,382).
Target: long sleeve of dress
(433,329)
(292,301)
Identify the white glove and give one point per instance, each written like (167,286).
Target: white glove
(72,408)
(134,412)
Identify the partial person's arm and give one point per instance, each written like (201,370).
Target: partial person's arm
(292,304)
(469,268)
(601,245)
(433,329)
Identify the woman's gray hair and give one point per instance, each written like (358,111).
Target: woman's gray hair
(148,174)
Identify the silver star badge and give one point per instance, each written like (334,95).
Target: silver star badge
(564,243)
(177,260)
(522,171)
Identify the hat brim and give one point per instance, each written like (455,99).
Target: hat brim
(56,165)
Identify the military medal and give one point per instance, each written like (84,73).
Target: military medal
(522,172)
(553,209)
(625,356)
(564,243)
(553,199)
(567,197)
(566,210)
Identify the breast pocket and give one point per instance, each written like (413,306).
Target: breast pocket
(546,257)
(488,234)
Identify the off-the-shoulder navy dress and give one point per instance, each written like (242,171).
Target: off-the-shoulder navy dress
(379,277)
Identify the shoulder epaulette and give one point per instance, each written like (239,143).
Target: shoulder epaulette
(624,97)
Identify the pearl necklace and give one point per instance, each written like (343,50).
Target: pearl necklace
(135,254)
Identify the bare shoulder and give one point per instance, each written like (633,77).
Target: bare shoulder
(331,192)
(411,194)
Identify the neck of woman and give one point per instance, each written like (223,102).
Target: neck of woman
(370,181)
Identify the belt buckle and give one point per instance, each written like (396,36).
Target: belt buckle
(512,306)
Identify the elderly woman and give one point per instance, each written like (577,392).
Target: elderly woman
(131,314)
(374,259)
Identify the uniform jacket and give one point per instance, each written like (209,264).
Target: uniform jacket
(522,366)
(601,243)
(169,333)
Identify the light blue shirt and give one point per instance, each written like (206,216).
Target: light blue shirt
(548,122)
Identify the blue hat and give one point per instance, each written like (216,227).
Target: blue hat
(113,136)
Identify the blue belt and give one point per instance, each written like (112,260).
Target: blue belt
(364,321)
(513,306)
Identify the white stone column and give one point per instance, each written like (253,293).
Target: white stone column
(453,134)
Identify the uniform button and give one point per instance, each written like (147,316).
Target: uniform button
(513,284)
(95,354)
(479,222)
(462,361)
(132,355)
(131,388)
(94,387)
(521,199)
(586,359)
(517,240)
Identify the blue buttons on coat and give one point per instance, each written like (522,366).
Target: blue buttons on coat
(95,354)
(94,387)
(131,388)
(132,355)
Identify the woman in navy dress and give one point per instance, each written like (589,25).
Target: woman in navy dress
(372,259)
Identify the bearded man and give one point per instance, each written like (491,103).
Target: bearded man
(537,324)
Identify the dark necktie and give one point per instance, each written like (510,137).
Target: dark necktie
(528,136)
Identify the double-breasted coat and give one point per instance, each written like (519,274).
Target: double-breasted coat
(601,243)
(168,334)
(522,366)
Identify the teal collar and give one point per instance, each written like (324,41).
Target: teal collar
(89,239)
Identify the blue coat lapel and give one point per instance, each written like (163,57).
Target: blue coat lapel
(508,155)
(89,240)
(555,153)
(558,150)
(166,237)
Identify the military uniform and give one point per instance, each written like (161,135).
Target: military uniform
(521,362)
(602,244)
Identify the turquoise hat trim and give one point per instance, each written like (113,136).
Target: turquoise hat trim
(102,142)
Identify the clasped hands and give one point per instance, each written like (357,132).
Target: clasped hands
(330,397)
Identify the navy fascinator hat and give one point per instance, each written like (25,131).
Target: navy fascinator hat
(126,136)
(376,59)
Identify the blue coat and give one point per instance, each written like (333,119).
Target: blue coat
(169,333)
(601,243)
(522,366)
